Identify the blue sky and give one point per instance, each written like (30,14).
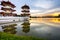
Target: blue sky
(38,6)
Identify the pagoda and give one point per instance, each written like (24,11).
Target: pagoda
(25,10)
(8,8)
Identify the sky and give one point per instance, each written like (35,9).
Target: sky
(37,6)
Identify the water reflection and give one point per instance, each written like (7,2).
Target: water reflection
(9,28)
(26,26)
(47,21)
(53,20)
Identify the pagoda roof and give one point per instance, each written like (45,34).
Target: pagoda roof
(7,9)
(25,6)
(7,3)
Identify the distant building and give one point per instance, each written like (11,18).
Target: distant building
(8,8)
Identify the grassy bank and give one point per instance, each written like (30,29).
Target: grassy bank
(4,36)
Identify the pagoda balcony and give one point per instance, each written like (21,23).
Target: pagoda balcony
(5,3)
(7,9)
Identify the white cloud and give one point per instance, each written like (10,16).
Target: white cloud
(35,11)
(52,10)
(44,4)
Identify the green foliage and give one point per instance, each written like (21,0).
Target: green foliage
(5,36)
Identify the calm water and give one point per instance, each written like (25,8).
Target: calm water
(38,27)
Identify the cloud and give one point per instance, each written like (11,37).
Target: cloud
(46,11)
(49,6)
(52,10)
(44,4)
(35,11)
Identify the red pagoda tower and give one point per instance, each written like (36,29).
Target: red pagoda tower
(8,8)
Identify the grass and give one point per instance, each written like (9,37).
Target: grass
(5,36)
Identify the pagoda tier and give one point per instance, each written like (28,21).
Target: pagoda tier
(25,14)
(25,11)
(7,14)
(25,7)
(7,9)
(5,3)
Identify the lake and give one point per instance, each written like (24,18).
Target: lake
(37,27)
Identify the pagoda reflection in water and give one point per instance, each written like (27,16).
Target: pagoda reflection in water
(9,28)
(26,26)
